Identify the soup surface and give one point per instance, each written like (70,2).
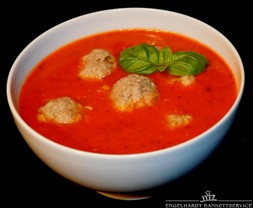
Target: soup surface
(105,129)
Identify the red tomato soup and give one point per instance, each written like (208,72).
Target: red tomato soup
(104,129)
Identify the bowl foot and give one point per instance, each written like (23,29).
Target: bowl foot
(124,196)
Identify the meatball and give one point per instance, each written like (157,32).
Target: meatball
(134,91)
(184,80)
(97,64)
(177,120)
(61,110)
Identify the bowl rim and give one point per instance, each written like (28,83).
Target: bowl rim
(17,117)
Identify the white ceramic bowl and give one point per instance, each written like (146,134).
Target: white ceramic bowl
(122,174)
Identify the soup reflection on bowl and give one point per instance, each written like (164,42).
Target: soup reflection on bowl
(125,100)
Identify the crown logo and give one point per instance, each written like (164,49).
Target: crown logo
(208,197)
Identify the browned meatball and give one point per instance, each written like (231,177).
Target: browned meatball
(177,120)
(98,64)
(134,91)
(184,80)
(61,110)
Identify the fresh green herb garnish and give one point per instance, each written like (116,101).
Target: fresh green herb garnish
(147,59)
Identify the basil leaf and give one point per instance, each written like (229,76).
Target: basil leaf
(146,59)
(165,56)
(141,59)
(187,63)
